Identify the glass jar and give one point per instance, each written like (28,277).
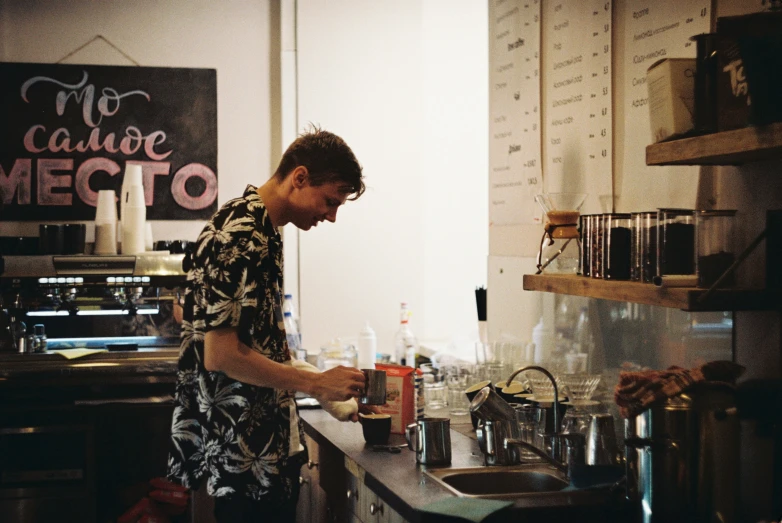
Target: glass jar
(616,253)
(635,246)
(715,239)
(585,232)
(644,255)
(676,241)
(596,252)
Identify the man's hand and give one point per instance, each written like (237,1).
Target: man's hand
(338,384)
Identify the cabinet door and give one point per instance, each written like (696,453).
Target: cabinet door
(305,496)
(352,494)
(318,512)
(382,512)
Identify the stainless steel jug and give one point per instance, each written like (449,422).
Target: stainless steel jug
(491,439)
(430,439)
(683,457)
(374,388)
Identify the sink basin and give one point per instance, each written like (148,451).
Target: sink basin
(499,483)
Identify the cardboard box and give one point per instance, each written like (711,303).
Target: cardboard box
(401,396)
(671,84)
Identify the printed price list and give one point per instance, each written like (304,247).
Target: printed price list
(514,107)
(578,96)
(655,30)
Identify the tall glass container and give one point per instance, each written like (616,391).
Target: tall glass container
(585,232)
(715,238)
(635,246)
(596,252)
(616,254)
(645,224)
(675,241)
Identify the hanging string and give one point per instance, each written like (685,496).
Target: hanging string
(98,37)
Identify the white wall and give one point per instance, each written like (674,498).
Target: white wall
(404,83)
(233,38)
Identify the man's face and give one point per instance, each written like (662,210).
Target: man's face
(313,204)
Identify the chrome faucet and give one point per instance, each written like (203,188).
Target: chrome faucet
(566,449)
(557,425)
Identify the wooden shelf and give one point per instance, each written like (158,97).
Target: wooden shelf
(725,148)
(685,298)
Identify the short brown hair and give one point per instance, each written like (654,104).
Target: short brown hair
(327,158)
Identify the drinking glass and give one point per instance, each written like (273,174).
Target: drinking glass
(435,394)
(457,398)
(527,419)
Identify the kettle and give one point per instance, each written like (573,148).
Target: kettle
(682,457)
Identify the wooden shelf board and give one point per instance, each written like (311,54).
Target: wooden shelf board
(685,298)
(734,147)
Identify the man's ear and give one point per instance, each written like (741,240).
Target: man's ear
(300,177)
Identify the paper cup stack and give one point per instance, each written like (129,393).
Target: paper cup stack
(106,223)
(133,211)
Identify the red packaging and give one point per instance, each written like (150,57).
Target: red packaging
(400,396)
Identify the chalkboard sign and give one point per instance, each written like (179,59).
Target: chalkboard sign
(68,131)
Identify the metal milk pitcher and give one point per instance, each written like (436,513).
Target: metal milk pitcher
(683,457)
(430,439)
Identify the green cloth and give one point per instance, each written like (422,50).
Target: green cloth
(468,509)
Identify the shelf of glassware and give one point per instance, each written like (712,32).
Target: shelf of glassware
(685,298)
(735,147)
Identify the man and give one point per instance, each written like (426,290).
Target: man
(235,419)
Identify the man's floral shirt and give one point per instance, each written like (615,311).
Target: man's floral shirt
(237,435)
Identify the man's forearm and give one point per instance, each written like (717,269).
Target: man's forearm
(223,352)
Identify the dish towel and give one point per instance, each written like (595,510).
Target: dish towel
(466,509)
(72,354)
(638,391)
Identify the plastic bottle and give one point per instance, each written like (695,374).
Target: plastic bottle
(583,339)
(367,347)
(292,335)
(543,338)
(406,344)
(289,306)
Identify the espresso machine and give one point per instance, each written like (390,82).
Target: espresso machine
(102,379)
(51,289)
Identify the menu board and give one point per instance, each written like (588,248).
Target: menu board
(654,30)
(514,111)
(577,96)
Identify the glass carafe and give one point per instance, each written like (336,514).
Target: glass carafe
(559,247)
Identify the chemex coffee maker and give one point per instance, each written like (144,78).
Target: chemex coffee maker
(42,285)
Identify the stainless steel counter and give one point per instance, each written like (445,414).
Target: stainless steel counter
(402,484)
(145,361)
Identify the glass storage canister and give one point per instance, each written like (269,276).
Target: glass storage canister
(635,247)
(675,241)
(616,254)
(596,251)
(715,240)
(585,231)
(645,245)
